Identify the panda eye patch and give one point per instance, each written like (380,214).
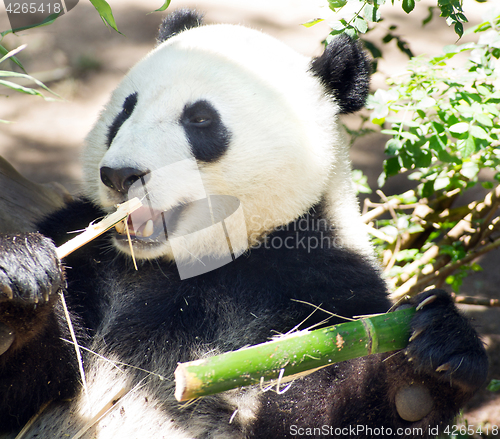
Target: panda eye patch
(207,135)
(127,109)
(199,114)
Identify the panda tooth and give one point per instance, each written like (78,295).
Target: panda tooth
(120,228)
(148,229)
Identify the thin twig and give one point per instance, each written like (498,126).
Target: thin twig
(418,282)
(466,300)
(77,348)
(109,405)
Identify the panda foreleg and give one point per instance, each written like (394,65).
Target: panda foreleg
(36,366)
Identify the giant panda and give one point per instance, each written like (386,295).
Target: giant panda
(232,141)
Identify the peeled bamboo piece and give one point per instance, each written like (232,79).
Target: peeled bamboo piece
(94,230)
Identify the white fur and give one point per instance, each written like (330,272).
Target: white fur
(286,151)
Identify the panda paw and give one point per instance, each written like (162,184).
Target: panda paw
(30,271)
(30,277)
(443,343)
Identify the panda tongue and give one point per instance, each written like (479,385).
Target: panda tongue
(141,221)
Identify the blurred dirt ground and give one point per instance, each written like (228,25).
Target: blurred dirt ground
(82,61)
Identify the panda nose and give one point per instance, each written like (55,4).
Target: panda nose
(121,179)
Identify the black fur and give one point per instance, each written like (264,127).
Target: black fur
(344,70)
(127,109)
(37,367)
(206,133)
(178,21)
(256,291)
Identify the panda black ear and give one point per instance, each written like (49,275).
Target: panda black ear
(344,70)
(178,21)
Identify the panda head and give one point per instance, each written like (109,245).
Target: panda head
(231,116)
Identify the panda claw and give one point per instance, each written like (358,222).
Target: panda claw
(444,367)
(415,334)
(6,291)
(425,302)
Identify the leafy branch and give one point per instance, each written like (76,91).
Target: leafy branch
(444,124)
(359,14)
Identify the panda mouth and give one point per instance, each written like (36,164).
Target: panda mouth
(149,224)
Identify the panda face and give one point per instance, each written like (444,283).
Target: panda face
(215,110)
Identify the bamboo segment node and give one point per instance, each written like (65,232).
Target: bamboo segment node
(94,230)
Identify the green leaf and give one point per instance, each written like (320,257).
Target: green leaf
(392,166)
(423,160)
(20,88)
(408,5)
(388,38)
(429,17)
(10,55)
(360,24)
(392,146)
(483,119)
(455,282)
(407,255)
(459,128)
(311,23)
(104,10)
(360,182)
(410,136)
(371,13)
(469,170)
(338,27)
(351,32)
(164,6)
(476,267)
(485,91)
(467,147)
(446,10)
(459,29)
(441,183)
(428,189)
(374,50)
(494,386)
(7,74)
(439,127)
(426,102)
(478,132)
(336,4)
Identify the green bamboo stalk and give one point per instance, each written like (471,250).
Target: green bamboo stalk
(295,354)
